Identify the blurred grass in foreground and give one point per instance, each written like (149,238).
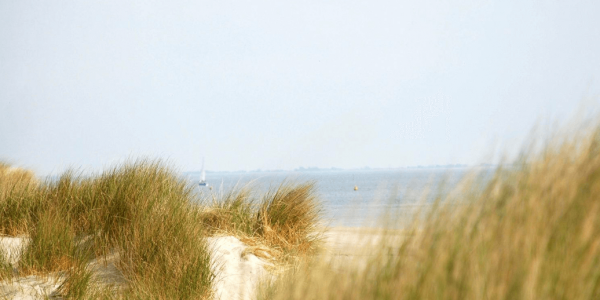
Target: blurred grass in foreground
(533,232)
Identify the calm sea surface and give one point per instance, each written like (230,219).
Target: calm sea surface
(379,191)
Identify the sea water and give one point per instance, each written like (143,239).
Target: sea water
(380,194)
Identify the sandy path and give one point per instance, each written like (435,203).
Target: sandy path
(237,272)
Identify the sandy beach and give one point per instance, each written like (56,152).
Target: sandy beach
(237,271)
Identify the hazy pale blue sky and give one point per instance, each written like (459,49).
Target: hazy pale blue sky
(282,84)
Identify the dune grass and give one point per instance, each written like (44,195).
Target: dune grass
(142,210)
(152,219)
(231,212)
(532,233)
(288,217)
(5,267)
(283,219)
(16,187)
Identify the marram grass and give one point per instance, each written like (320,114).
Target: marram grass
(17,187)
(152,219)
(141,210)
(532,233)
(283,219)
(287,217)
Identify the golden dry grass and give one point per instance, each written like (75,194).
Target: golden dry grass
(278,224)
(532,233)
(151,217)
(16,185)
(142,210)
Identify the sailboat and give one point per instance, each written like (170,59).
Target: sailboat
(203,176)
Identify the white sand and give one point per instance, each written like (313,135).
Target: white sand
(351,240)
(12,248)
(104,274)
(237,272)
(30,287)
(351,248)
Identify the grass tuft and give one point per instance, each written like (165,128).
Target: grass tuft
(18,195)
(52,246)
(6,269)
(280,222)
(232,212)
(288,215)
(77,284)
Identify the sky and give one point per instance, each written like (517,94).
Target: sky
(285,84)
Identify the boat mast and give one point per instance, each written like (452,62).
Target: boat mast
(202,173)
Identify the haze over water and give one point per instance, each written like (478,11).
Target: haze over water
(379,191)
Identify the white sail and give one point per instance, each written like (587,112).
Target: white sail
(203,175)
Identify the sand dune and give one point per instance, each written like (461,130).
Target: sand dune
(237,271)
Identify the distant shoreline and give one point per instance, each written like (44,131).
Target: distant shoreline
(334,169)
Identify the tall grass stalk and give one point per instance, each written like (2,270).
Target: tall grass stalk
(52,246)
(18,189)
(6,269)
